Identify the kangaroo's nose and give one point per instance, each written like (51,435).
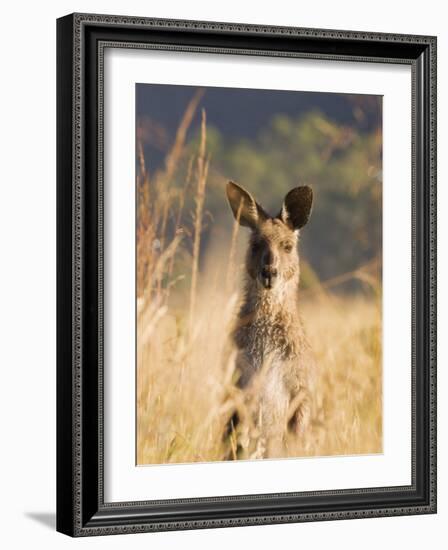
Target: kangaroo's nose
(269,271)
(268,257)
(268,276)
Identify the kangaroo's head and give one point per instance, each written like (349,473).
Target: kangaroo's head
(272,257)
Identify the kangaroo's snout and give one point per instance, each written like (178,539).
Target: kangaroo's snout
(268,276)
(269,271)
(268,257)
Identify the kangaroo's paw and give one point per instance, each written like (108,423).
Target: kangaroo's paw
(301,419)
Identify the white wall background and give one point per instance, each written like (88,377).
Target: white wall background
(28,276)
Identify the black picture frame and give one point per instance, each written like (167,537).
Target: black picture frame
(81,510)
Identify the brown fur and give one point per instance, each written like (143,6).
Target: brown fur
(274,360)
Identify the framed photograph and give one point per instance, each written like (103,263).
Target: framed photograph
(246,274)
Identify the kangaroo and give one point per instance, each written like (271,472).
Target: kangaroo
(274,360)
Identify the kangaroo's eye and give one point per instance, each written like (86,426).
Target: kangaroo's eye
(287,247)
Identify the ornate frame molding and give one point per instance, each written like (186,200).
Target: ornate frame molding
(81,42)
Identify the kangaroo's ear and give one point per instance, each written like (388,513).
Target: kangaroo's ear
(244,207)
(296,209)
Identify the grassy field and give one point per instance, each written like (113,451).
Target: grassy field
(187,297)
(183,384)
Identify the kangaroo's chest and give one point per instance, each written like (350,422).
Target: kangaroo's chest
(266,341)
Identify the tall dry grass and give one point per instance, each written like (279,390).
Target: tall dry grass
(186,302)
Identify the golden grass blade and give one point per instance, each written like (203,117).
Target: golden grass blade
(174,155)
(199,200)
